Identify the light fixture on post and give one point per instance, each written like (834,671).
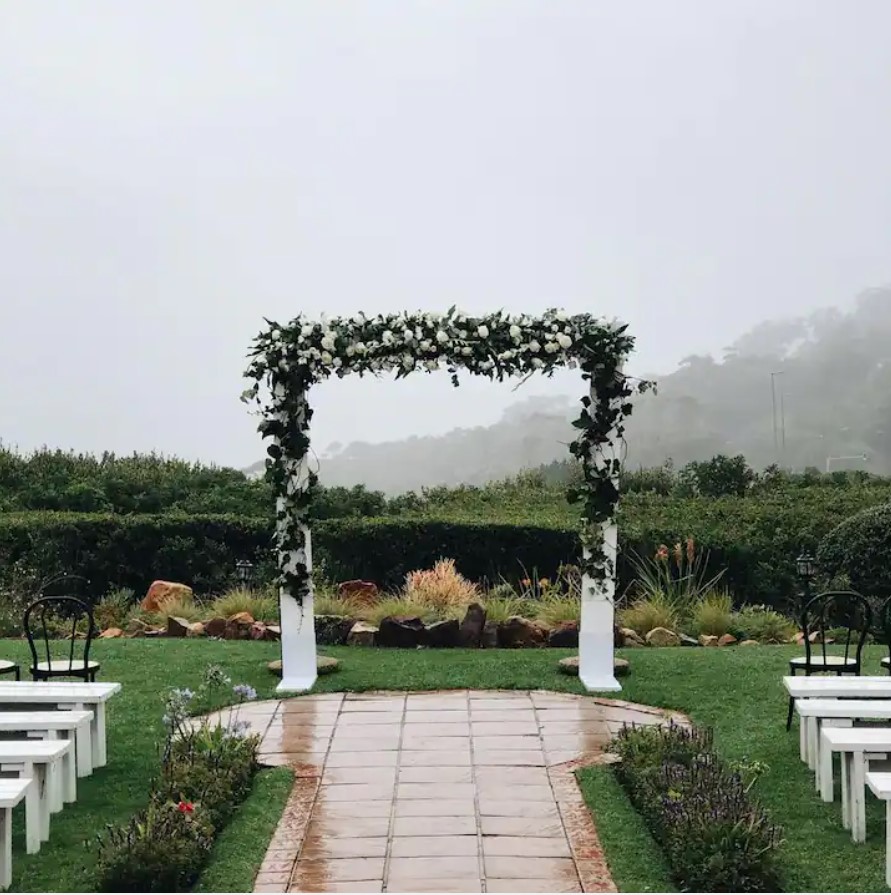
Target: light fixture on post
(244,569)
(806,566)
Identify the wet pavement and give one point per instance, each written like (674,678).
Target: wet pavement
(453,791)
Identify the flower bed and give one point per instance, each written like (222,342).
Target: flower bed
(715,836)
(206,772)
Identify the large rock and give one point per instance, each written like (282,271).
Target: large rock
(749,643)
(489,639)
(108,633)
(726,640)
(565,635)
(518,632)
(333,630)
(196,629)
(273,632)
(708,640)
(444,634)
(362,634)
(239,626)
(216,627)
(630,637)
(662,637)
(258,631)
(402,631)
(361,591)
(472,626)
(162,592)
(571,666)
(177,627)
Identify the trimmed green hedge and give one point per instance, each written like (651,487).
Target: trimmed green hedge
(859,549)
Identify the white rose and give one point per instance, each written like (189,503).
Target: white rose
(431,365)
(326,358)
(552,347)
(466,351)
(276,335)
(537,362)
(564,340)
(534,347)
(441,337)
(516,332)
(337,363)
(350,351)
(328,343)
(425,345)
(462,333)
(562,315)
(408,335)
(360,348)
(306,331)
(483,331)
(387,337)
(419,333)
(408,362)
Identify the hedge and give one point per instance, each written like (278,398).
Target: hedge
(859,549)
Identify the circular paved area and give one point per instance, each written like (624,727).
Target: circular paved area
(454,791)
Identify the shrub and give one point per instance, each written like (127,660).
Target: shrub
(440,588)
(502,602)
(715,836)
(656,611)
(327,604)
(679,574)
(557,609)
(763,624)
(860,550)
(113,610)
(261,605)
(377,612)
(713,614)
(181,606)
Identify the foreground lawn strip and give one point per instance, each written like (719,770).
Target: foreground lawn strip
(736,690)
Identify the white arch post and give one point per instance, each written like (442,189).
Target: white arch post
(596,643)
(298,635)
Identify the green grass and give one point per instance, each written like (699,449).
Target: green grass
(238,852)
(737,691)
(635,860)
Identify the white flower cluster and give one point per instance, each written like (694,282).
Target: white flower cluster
(495,345)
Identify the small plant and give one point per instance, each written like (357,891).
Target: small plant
(558,609)
(440,588)
(113,610)
(678,574)
(656,611)
(715,837)
(180,606)
(331,604)
(764,625)
(712,614)
(502,602)
(399,606)
(260,605)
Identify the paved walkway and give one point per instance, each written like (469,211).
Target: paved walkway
(451,791)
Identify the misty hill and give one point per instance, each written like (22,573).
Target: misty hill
(833,401)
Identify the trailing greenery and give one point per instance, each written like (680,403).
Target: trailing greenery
(715,837)
(207,771)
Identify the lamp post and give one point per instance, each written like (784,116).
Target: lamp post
(806,566)
(244,569)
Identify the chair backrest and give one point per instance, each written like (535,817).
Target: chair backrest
(884,624)
(46,616)
(844,616)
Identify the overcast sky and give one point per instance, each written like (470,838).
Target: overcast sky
(171,172)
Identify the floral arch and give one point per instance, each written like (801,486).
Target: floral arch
(286,360)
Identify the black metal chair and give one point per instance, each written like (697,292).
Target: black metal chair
(826,614)
(884,626)
(59,611)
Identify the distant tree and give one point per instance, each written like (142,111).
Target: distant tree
(719,477)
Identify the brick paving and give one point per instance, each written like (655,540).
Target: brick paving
(453,791)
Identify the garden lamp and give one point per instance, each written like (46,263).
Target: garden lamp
(806,566)
(244,569)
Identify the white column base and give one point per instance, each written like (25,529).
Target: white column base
(298,645)
(596,651)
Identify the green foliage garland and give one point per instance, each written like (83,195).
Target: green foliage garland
(287,359)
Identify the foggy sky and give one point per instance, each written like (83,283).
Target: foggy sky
(171,173)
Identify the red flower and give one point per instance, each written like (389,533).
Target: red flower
(185,807)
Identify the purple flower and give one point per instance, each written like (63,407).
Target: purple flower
(244,691)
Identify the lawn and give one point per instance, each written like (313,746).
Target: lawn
(737,691)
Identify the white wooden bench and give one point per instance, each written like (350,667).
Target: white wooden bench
(880,783)
(834,713)
(52,726)
(855,745)
(11,793)
(70,695)
(39,760)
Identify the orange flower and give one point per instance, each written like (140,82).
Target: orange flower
(543,582)
(662,553)
(526,582)
(691,550)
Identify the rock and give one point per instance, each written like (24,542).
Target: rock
(362,634)
(708,640)
(136,627)
(324,665)
(365,592)
(688,641)
(177,627)
(216,627)
(662,637)
(333,630)
(630,637)
(518,632)
(108,633)
(258,631)
(403,632)
(472,625)
(154,632)
(798,638)
(196,629)
(273,632)
(749,643)
(565,635)
(618,639)
(489,639)
(443,635)
(162,592)
(726,640)
(239,626)
(621,667)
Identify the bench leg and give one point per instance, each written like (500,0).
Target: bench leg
(5,848)
(32,812)
(84,750)
(42,779)
(54,786)
(858,797)
(803,739)
(826,784)
(846,789)
(69,770)
(100,756)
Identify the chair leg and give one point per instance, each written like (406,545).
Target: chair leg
(789,716)
(18,673)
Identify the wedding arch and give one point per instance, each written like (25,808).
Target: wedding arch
(286,360)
